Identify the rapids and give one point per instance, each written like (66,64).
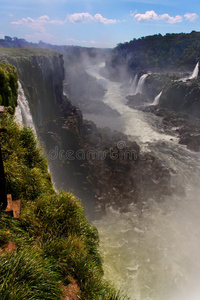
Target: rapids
(152,251)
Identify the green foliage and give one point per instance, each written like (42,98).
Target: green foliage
(66,236)
(69,241)
(25,167)
(8,85)
(24,274)
(158,51)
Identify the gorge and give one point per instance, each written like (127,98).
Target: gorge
(126,162)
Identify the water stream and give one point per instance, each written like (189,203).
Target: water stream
(152,252)
(22,112)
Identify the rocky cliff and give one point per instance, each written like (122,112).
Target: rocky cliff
(41,74)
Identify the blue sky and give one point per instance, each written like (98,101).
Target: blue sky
(96,23)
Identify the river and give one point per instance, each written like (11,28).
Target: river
(152,252)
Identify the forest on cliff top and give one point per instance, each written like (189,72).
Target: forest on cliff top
(157,51)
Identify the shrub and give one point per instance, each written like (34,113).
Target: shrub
(8,85)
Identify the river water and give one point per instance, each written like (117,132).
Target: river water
(152,252)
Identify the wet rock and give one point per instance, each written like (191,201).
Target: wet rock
(193,145)
(134,101)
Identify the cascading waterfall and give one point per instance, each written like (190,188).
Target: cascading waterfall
(140,85)
(157,99)
(22,111)
(195,72)
(152,251)
(133,86)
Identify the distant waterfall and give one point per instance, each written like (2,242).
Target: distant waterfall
(22,111)
(133,83)
(140,85)
(157,99)
(195,72)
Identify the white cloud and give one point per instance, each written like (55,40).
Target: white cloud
(191,17)
(80,18)
(152,16)
(36,24)
(148,16)
(86,17)
(171,20)
(99,18)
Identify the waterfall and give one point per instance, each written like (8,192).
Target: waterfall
(133,86)
(22,111)
(140,85)
(156,99)
(195,72)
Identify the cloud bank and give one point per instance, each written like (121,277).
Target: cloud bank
(37,24)
(86,18)
(152,16)
(191,17)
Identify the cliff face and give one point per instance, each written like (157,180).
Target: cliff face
(41,74)
(181,96)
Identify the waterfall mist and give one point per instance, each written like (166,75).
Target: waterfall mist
(151,252)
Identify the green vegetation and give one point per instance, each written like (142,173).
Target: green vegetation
(25,168)
(26,275)
(55,243)
(8,85)
(157,51)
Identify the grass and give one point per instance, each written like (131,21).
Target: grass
(25,274)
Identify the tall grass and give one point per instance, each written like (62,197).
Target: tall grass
(26,275)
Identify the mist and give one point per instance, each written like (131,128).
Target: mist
(152,250)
